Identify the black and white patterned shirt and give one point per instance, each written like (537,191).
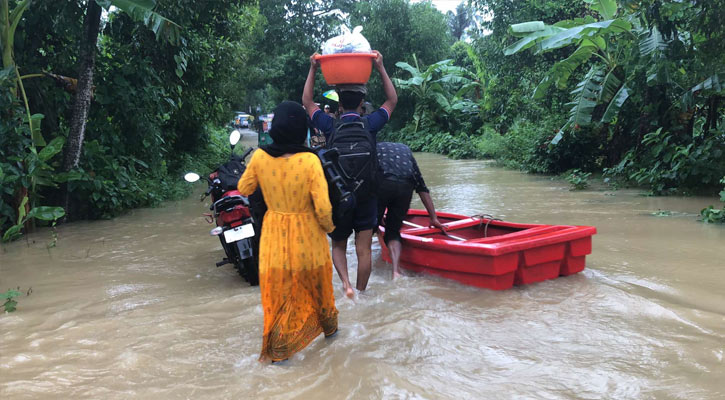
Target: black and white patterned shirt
(396,162)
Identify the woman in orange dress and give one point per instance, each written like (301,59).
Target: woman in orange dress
(295,268)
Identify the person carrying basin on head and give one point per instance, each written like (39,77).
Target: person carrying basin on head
(363,217)
(399,176)
(295,269)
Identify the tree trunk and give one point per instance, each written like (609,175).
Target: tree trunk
(82,100)
(712,114)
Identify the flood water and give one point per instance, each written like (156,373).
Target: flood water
(135,308)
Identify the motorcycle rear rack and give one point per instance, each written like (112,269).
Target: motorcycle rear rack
(229,202)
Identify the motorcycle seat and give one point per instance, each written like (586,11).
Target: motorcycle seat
(228,202)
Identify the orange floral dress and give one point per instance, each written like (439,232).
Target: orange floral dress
(295,268)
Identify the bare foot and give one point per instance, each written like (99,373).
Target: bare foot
(349,292)
(396,275)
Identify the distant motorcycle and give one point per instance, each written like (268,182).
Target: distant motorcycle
(231,212)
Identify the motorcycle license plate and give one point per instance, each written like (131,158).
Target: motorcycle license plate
(239,233)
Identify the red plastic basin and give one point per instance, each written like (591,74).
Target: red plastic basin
(346,68)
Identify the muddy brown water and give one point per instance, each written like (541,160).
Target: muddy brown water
(135,308)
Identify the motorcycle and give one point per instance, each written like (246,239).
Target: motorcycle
(232,214)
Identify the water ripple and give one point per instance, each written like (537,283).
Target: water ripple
(135,308)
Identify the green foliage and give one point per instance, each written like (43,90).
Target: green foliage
(666,162)
(43,213)
(153,101)
(710,214)
(25,169)
(292,31)
(399,29)
(456,146)
(623,70)
(602,86)
(143,11)
(438,93)
(442,121)
(517,76)
(111,184)
(713,215)
(620,51)
(208,157)
(9,20)
(461,20)
(578,180)
(516,148)
(526,146)
(606,8)
(650,65)
(10,302)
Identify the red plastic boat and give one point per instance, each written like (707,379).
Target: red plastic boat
(490,253)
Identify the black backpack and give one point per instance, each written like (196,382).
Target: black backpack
(230,172)
(358,157)
(343,201)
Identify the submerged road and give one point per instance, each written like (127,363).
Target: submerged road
(134,308)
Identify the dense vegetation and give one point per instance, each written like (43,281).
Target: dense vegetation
(104,103)
(159,94)
(632,89)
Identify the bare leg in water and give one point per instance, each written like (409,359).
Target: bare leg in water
(339,258)
(363,242)
(394,246)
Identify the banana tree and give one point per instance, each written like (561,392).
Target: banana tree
(34,162)
(432,89)
(604,41)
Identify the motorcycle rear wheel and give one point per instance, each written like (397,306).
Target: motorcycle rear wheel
(248,268)
(251,269)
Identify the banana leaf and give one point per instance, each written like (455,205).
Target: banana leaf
(574,35)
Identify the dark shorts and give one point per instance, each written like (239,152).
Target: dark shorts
(394,196)
(361,218)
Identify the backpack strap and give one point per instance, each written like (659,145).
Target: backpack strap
(366,123)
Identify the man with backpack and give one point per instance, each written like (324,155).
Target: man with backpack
(354,137)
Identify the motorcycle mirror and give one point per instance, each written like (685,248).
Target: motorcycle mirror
(234,137)
(191,177)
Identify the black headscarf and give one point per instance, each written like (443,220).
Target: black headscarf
(289,130)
